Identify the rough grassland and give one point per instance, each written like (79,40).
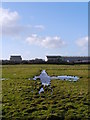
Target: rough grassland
(21,101)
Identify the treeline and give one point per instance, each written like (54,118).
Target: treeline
(8,62)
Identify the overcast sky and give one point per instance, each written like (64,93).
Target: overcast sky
(37,29)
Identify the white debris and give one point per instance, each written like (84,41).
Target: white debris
(69,78)
(36,77)
(41,90)
(45,79)
(3,78)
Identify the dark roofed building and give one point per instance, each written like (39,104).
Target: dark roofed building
(67,58)
(74,58)
(16,58)
(54,58)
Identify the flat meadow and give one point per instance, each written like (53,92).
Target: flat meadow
(67,100)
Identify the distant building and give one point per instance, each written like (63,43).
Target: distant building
(67,58)
(15,58)
(54,59)
(75,58)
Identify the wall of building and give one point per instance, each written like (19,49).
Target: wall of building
(67,58)
(72,59)
(16,58)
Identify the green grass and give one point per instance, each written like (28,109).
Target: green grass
(21,101)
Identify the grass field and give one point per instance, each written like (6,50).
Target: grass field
(21,100)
